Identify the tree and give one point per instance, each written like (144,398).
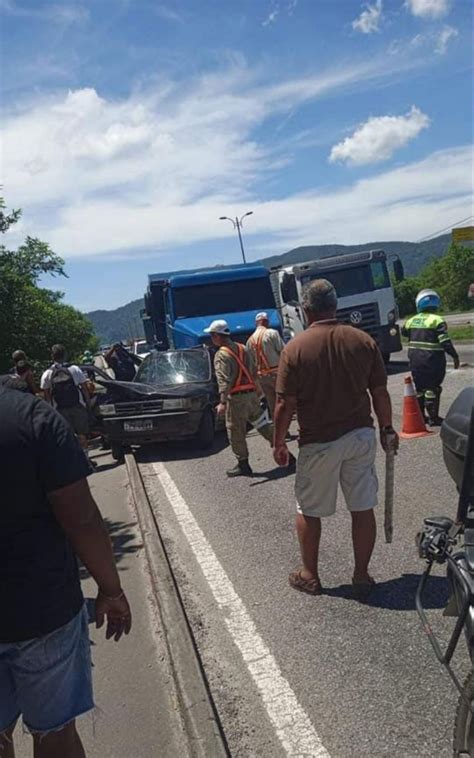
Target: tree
(451,276)
(33,318)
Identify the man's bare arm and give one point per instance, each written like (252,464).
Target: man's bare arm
(79,517)
(284,410)
(48,396)
(382,406)
(383,410)
(77,514)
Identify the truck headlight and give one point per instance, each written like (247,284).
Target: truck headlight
(107,410)
(392,316)
(288,334)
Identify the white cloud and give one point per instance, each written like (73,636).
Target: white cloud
(63,14)
(379,137)
(446,34)
(272,17)
(155,171)
(428,8)
(369,20)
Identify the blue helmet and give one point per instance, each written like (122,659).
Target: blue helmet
(427,299)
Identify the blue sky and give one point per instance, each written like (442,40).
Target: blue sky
(130,126)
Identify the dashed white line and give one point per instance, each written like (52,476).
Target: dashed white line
(292,724)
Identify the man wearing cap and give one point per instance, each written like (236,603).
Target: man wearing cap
(238,401)
(266,345)
(329,374)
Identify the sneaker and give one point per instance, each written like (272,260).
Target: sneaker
(241,469)
(435,421)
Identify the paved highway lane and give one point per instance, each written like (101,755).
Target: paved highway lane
(293,674)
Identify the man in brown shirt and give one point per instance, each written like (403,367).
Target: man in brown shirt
(326,374)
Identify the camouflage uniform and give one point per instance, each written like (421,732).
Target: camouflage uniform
(241,407)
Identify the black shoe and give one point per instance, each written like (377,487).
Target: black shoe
(291,464)
(241,469)
(435,421)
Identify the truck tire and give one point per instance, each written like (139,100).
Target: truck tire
(206,433)
(118,451)
(463,738)
(386,358)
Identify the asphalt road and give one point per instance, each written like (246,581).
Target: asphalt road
(293,674)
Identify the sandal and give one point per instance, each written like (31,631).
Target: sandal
(310,586)
(361,589)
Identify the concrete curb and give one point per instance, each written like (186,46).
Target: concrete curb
(202,728)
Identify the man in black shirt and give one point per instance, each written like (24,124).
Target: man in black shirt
(47,518)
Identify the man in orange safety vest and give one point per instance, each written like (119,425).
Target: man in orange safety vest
(266,345)
(238,399)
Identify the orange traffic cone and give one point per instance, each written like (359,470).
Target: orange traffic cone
(412,424)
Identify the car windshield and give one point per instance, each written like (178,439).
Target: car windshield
(354,280)
(223,297)
(175,367)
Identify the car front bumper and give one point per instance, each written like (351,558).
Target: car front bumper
(159,427)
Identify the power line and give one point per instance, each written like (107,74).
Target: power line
(446,228)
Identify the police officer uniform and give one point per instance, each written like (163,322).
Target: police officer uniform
(428,343)
(266,346)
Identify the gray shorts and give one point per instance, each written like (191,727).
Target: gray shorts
(348,461)
(77,418)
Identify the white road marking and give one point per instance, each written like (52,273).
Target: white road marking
(293,726)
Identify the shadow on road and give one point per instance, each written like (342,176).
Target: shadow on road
(124,542)
(399,594)
(181,450)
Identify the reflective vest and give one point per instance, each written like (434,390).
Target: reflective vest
(426,331)
(263,367)
(244,381)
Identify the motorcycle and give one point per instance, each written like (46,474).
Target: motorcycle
(443,540)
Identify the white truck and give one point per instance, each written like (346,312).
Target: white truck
(365,294)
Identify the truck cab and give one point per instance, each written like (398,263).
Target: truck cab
(366,298)
(182,305)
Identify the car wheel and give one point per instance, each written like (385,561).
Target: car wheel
(205,435)
(118,451)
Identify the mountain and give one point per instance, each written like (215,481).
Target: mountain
(125,322)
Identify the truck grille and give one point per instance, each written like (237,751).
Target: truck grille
(139,406)
(369,316)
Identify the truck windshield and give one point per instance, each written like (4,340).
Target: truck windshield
(175,367)
(354,280)
(222,297)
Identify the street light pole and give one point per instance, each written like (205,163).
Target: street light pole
(237,224)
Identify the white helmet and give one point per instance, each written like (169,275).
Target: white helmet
(427,299)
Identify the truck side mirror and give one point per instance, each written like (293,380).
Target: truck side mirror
(398,270)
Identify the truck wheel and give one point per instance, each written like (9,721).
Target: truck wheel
(205,435)
(463,743)
(118,451)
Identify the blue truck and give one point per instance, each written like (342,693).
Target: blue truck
(179,306)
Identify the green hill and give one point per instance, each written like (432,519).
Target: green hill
(125,322)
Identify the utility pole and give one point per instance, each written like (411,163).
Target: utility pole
(237,224)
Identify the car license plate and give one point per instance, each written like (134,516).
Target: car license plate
(140,425)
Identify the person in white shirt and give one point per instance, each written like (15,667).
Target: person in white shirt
(65,387)
(266,346)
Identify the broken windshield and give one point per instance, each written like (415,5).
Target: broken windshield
(175,367)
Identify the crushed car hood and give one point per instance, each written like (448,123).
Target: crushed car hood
(139,391)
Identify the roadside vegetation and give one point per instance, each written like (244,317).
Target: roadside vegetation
(450,275)
(33,318)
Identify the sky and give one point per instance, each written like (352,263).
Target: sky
(131,126)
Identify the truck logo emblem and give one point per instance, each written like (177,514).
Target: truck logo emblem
(355,317)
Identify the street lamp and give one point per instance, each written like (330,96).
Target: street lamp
(237,224)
